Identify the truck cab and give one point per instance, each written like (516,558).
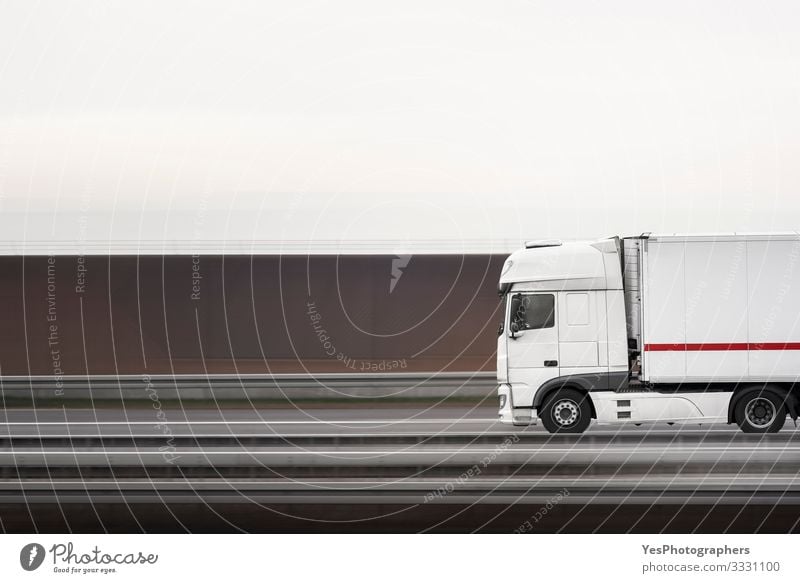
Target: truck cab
(564,326)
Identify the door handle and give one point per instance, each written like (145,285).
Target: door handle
(551,363)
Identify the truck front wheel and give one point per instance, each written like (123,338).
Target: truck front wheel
(760,412)
(566,411)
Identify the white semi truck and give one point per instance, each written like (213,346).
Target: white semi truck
(654,328)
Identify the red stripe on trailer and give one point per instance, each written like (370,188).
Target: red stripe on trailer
(721,346)
(774,346)
(674,347)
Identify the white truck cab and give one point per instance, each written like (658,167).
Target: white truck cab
(650,328)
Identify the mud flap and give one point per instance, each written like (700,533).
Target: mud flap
(791,405)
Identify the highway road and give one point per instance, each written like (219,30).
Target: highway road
(453,465)
(209,420)
(303,418)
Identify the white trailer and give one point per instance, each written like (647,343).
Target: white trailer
(655,328)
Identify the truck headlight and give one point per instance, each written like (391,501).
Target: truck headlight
(503,400)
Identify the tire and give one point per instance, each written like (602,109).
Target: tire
(566,411)
(759,411)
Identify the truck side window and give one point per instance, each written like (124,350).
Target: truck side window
(532,312)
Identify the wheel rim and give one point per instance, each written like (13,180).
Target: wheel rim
(760,412)
(565,413)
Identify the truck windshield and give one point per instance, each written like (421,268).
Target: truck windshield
(531,312)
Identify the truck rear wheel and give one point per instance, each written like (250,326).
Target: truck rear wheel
(566,411)
(760,412)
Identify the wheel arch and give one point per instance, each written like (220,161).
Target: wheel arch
(782,392)
(578,384)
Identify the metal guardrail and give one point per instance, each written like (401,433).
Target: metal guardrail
(253,386)
(584,492)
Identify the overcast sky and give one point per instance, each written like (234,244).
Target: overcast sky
(405,120)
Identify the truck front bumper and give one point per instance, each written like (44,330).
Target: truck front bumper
(511,415)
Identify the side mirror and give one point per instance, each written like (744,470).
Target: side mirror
(500,329)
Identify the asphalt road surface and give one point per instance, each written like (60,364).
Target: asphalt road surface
(409,469)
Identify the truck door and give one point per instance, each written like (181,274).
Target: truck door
(532,344)
(578,348)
